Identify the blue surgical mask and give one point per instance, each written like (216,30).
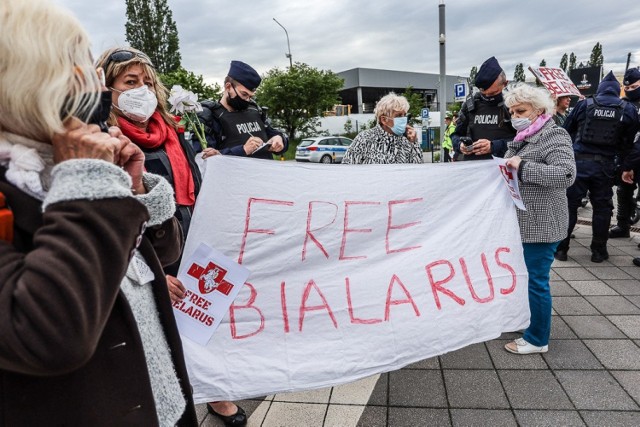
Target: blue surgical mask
(399,125)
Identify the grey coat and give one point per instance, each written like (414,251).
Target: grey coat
(547,170)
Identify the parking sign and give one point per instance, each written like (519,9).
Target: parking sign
(425,113)
(460,91)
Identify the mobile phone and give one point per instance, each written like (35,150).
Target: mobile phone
(408,124)
(467,142)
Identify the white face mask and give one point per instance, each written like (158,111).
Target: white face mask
(138,104)
(520,123)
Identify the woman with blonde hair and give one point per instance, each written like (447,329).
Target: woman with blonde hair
(391,140)
(140,110)
(87,334)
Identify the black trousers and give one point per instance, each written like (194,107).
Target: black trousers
(596,177)
(626,204)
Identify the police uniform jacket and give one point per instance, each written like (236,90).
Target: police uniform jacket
(481,119)
(607,96)
(227,131)
(548,168)
(70,348)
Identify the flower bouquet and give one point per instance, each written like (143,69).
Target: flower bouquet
(185,103)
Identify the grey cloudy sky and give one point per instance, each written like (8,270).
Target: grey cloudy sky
(342,34)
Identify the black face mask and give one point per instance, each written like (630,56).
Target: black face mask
(237,103)
(495,99)
(633,95)
(100,114)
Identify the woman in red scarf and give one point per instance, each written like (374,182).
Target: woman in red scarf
(140,111)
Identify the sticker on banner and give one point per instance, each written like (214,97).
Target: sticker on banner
(212,282)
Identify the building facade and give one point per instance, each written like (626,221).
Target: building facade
(363,87)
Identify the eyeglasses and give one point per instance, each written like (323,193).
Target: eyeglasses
(244,95)
(125,55)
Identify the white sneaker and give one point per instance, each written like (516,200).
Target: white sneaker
(520,346)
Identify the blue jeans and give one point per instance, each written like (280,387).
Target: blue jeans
(538,257)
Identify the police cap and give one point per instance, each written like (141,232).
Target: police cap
(631,76)
(245,75)
(488,73)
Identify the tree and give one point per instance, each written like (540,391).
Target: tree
(348,127)
(416,103)
(190,81)
(472,76)
(564,62)
(298,94)
(151,29)
(572,61)
(543,63)
(596,59)
(518,75)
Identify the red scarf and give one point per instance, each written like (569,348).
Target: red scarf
(158,134)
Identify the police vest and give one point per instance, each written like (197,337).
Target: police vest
(602,124)
(239,126)
(487,121)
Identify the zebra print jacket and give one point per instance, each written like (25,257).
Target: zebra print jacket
(547,170)
(376,146)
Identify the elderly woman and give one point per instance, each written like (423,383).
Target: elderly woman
(390,141)
(87,334)
(140,110)
(542,154)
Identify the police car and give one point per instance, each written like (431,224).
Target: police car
(322,149)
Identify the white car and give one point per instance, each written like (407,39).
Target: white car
(322,149)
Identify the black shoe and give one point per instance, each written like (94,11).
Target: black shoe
(239,419)
(618,231)
(560,255)
(599,255)
(636,261)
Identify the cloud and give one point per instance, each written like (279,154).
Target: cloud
(340,35)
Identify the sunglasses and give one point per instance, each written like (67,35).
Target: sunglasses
(125,55)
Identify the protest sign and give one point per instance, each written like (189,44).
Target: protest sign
(212,282)
(556,81)
(356,270)
(510,176)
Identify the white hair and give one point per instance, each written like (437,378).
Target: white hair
(46,70)
(522,93)
(390,103)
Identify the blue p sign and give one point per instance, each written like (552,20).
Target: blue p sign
(460,90)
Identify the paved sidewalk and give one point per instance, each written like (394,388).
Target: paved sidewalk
(590,376)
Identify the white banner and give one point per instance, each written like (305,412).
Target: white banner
(356,270)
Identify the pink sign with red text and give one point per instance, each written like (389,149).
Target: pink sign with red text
(355,270)
(556,81)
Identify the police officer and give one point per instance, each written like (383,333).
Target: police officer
(601,128)
(449,129)
(484,118)
(624,192)
(236,125)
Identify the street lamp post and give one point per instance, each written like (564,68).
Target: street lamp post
(443,75)
(288,55)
